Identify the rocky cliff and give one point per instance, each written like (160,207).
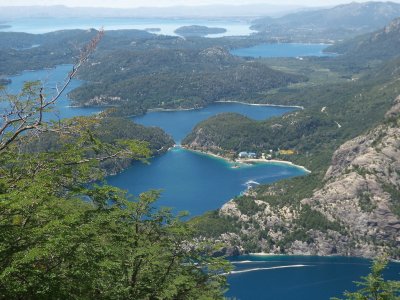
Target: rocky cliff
(356,211)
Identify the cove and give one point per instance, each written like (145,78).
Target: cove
(282,50)
(298,277)
(195,182)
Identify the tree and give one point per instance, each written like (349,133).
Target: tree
(374,287)
(66,234)
(25,111)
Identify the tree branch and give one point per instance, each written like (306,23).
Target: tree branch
(23,112)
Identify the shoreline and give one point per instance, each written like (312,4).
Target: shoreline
(260,104)
(263,160)
(264,254)
(159,109)
(246,161)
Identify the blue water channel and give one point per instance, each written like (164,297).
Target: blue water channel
(198,183)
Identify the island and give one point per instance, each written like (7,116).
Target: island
(198,31)
(3,26)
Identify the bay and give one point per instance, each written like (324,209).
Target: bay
(195,182)
(282,50)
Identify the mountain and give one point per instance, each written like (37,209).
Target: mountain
(355,212)
(352,19)
(380,45)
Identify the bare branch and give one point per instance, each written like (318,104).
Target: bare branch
(26,114)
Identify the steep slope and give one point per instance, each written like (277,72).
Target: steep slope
(356,211)
(380,45)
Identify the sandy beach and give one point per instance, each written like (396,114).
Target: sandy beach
(248,161)
(261,104)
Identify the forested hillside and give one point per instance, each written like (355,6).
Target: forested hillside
(163,78)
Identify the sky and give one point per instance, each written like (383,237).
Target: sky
(147,3)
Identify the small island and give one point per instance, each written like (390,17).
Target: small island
(198,31)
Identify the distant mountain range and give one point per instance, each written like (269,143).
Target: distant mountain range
(358,17)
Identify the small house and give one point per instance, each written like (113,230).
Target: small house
(252,155)
(243,155)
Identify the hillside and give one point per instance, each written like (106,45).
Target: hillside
(380,45)
(356,210)
(338,22)
(108,130)
(170,78)
(19,50)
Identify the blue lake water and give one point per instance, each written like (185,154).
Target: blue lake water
(50,79)
(197,182)
(179,123)
(190,181)
(298,277)
(282,50)
(167,26)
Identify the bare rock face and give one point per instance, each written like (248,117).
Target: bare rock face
(361,193)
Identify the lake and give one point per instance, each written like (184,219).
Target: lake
(298,277)
(180,123)
(51,78)
(197,182)
(282,50)
(190,181)
(166,26)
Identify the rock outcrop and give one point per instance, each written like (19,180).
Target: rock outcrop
(358,206)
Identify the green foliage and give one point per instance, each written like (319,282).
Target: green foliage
(61,238)
(394,193)
(313,219)
(212,225)
(374,287)
(289,192)
(247,206)
(106,130)
(365,201)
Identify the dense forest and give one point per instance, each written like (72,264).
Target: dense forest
(161,78)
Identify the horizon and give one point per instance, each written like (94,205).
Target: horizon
(121,4)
